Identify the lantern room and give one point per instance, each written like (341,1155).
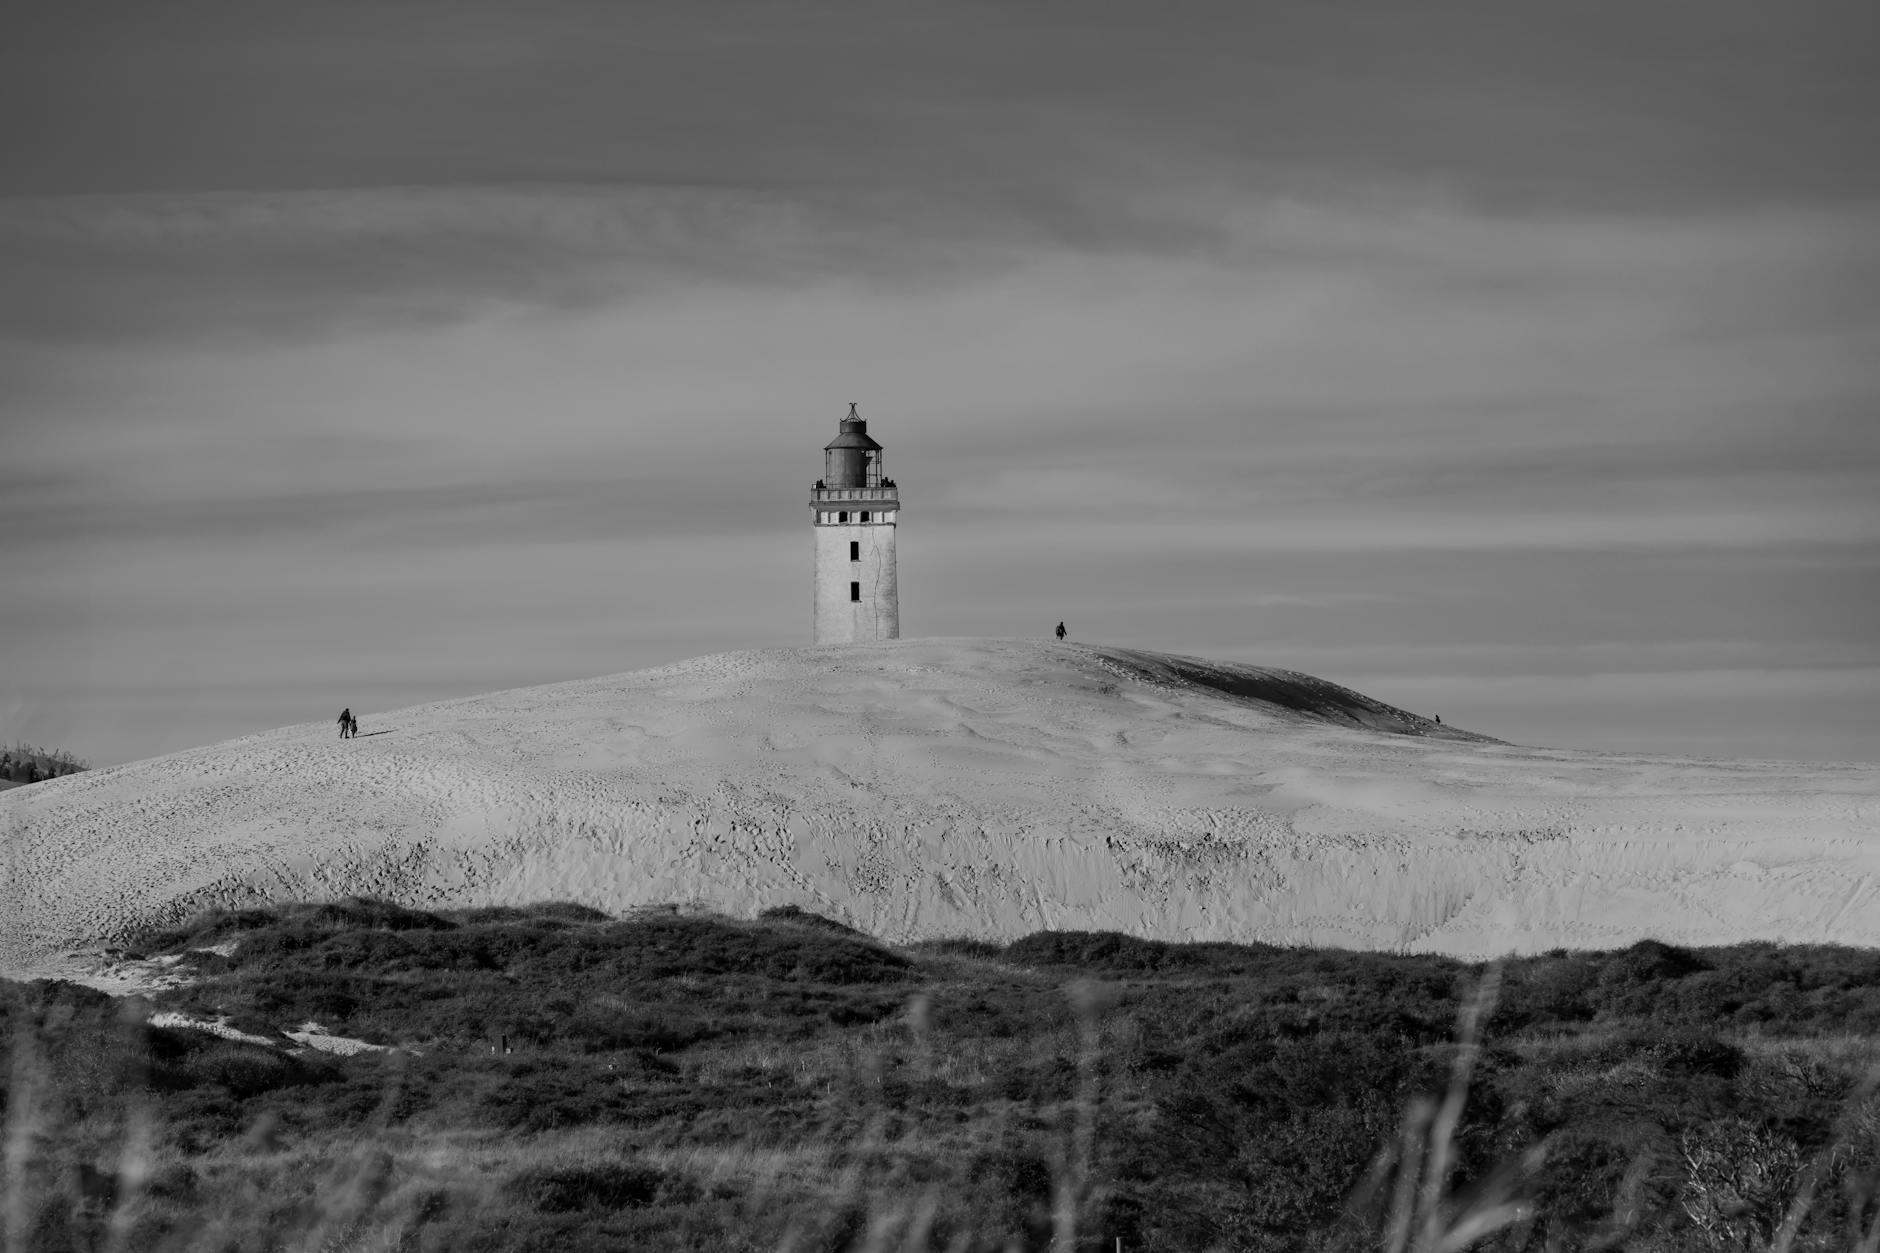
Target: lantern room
(852,459)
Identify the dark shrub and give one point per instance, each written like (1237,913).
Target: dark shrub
(172,1180)
(567,911)
(1578,1193)
(200,962)
(1114,951)
(243,1070)
(1012,1181)
(606,1028)
(802,917)
(562,1189)
(88,1042)
(203,929)
(1694,1053)
(1552,989)
(1094,950)
(662,948)
(530,1094)
(1647,980)
(363,912)
(960,947)
(374,950)
(1649,961)
(1108,949)
(1673,1050)
(548,912)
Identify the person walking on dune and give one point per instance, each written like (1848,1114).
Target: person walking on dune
(1060,632)
(346,724)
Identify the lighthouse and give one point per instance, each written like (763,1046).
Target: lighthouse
(853,508)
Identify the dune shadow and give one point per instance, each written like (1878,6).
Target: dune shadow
(366,735)
(1288,689)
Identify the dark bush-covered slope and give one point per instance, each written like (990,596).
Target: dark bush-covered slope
(688,1082)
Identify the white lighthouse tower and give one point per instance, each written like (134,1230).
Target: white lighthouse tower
(854,508)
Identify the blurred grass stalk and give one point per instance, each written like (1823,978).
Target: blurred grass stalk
(22,1129)
(375,1193)
(358,1204)
(1418,1168)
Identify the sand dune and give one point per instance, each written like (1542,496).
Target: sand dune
(961,787)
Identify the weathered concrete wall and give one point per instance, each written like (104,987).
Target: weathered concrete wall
(877,616)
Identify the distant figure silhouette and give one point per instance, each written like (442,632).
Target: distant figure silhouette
(346,724)
(1439,720)
(1060,631)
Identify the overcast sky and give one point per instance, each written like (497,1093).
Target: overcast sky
(1508,361)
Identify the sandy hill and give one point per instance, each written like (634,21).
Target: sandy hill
(961,787)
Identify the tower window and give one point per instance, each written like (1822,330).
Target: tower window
(855,592)
(855,550)
(864,515)
(843,516)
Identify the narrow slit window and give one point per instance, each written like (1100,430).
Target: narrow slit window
(855,592)
(855,550)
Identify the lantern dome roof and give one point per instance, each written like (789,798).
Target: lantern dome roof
(854,434)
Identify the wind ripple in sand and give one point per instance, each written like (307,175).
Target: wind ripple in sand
(954,787)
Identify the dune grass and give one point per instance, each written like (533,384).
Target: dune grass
(557,1079)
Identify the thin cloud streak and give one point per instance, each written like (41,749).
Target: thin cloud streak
(1597,104)
(289,264)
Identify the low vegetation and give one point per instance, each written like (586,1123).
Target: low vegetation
(557,1079)
(28,763)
